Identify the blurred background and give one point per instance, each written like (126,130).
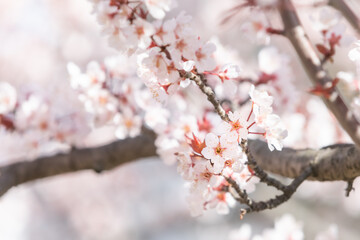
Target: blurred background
(144,199)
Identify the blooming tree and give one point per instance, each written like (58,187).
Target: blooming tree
(170,92)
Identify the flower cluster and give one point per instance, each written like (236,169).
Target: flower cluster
(39,123)
(109,94)
(275,130)
(210,160)
(125,21)
(44,122)
(215,155)
(165,51)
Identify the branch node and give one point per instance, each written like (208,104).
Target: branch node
(349,187)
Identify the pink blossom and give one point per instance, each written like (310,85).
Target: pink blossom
(157,8)
(203,57)
(237,125)
(219,149)
(229,71)
(260,98)
(275,132)
(8,97)
(354,53)
(129,124)
(138,34)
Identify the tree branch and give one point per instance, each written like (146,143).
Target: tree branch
(336,162)
(312,64)
(260,173)
(280,199)
(98,159)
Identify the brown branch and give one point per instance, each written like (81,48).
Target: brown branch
(98,159)
(243,196)
(280,199)
(349,187)
(337,162)
(333,163)
(259,172)
(346,11)
(312,64)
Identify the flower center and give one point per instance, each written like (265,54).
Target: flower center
(207,175)
(199,55)
(228,163)
(140,31)
(219,150)
(236,125)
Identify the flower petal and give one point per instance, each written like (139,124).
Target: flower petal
(211,140)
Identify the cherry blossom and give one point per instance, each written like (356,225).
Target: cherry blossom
(219,149)
(255,26)
(164,31)
(148,90)
(221,201)
(8,97)
(260,98)
(157,8)
(275,132)
(203,59)
(237,124)
(129,124)
(354,54)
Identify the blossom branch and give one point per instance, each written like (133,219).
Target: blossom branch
(295,32)
(264,177)
(333,163)
(243,196)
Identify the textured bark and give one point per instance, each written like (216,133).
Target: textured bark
(98,159)
(312,65)
(336,162)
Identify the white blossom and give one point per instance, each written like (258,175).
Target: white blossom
(8,97)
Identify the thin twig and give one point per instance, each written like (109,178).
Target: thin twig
(349,187)
(280,199)
(259,172)
(244,198)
